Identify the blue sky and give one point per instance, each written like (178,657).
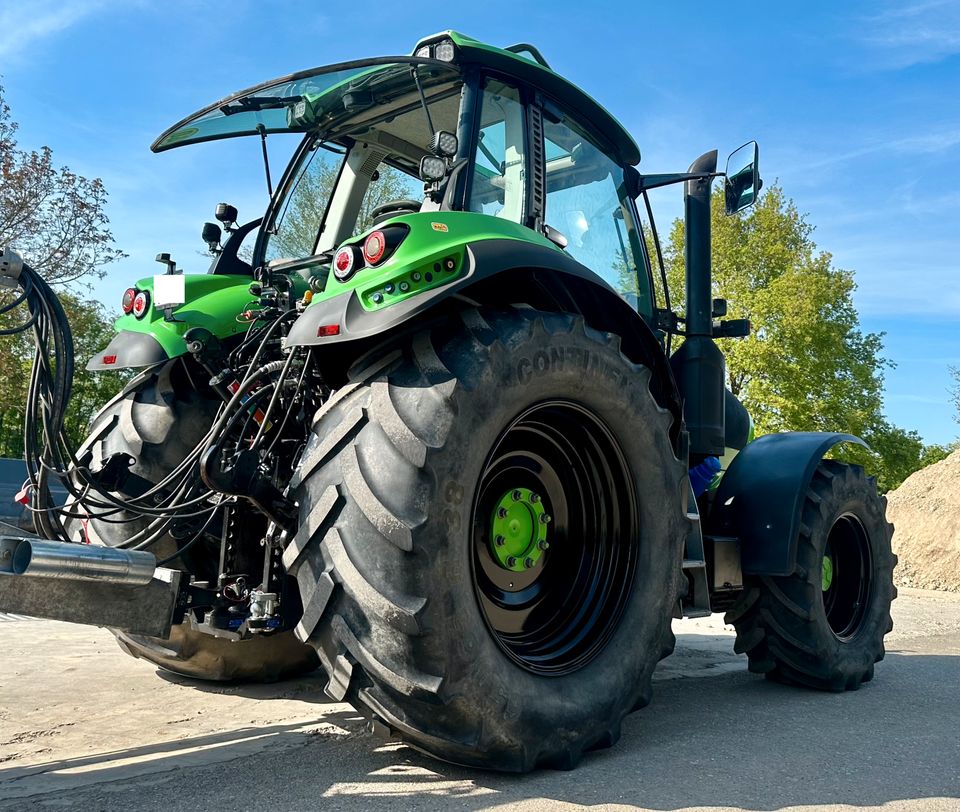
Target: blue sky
(855,106)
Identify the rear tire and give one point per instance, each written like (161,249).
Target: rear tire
(158,420)
(393,550)
(823,626)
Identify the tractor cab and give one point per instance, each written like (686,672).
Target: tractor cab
(458,127)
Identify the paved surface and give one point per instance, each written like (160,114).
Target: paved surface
(83,725)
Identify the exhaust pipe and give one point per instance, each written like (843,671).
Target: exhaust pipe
(82,562)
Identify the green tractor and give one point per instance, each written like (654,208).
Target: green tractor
(421,424)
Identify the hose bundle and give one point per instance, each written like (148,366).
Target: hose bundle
(182,494)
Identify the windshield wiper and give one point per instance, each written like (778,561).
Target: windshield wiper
(247,104)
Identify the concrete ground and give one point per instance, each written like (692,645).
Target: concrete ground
(83,725)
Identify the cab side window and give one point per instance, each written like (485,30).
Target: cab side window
(587,202)
(499,162)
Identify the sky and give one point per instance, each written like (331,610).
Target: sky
(855,105)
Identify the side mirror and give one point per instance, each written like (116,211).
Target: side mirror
(742,183)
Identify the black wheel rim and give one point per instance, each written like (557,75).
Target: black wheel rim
(847,576)
(555,617)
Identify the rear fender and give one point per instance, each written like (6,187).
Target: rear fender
(212,301)
(494,271)
(760,497)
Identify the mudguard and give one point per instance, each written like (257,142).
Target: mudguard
(211,301)
(761,495)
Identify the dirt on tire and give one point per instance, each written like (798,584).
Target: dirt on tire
(925,511)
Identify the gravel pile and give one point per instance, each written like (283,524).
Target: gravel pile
(925,511)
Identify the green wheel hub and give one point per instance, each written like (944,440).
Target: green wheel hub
(827,573)
(518,530)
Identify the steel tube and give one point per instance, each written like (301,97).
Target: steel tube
(83,562)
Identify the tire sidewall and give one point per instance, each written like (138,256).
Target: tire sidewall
(526,368)
(852,495)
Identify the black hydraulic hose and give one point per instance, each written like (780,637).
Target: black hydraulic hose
(180,494)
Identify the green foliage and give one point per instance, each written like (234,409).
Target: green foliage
(56,219)
(298,229)
(91,331)
(807,365)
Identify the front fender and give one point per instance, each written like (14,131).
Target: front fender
(761,496)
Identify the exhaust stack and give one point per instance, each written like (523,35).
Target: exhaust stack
(698,365)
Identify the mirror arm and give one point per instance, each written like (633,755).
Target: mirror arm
(642,183)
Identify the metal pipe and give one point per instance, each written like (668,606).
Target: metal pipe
(83,562)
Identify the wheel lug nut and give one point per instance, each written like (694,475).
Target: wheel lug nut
(517,496)
(545,518)
(511,561)
(534,497)
(499,541)
(528,562)
(543,545)
(502,513)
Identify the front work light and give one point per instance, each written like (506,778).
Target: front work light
(444,144)
(444,50)
(432,169)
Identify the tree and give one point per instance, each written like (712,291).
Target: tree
(54,217)
(297,232)
(57,220)
(91,327)
(807,365)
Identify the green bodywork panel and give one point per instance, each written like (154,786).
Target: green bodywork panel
(430,256)
(212,301)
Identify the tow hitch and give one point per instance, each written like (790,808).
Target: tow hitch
(97,586)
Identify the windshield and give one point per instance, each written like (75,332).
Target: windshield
(315,100)
(368,157)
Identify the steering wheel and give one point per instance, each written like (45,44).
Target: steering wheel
(392,207)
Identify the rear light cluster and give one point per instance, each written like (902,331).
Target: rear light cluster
(377,248)
(136,302)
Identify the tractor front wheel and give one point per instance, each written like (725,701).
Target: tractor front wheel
(823,626)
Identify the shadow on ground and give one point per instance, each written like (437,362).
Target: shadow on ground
(726,740)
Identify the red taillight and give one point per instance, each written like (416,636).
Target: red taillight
(345,262)
(374,247)
(140,304)
(326,330)
(126,303)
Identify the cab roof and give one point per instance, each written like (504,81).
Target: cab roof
(249,111)
(525,63)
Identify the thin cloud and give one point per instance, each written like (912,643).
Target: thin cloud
(914,34)
(22,26)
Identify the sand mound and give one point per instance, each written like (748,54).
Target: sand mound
(925,511)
